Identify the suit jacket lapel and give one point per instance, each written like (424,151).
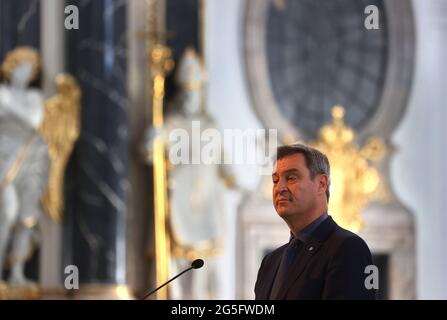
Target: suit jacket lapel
(309,249)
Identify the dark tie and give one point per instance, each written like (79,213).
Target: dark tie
(287,260)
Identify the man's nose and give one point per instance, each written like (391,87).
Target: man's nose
(281,187)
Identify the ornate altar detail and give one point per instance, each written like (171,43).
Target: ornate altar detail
(353,180)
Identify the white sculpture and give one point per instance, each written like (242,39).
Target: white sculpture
(24,161)
(197,216)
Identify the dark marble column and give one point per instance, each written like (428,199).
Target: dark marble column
(19,24)
(182,23)
(97,176)
(183,27)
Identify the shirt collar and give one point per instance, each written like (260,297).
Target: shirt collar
(305,234)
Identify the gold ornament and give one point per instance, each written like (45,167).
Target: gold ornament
(353,180)
(20,55)
(60,129)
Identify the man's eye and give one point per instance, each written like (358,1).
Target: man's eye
(291,178)
(275,181)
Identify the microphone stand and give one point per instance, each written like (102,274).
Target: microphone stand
(153,291)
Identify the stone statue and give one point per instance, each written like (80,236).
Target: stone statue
(24,161)
(196,213)
(36,139)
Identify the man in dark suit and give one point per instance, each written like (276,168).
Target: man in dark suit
(321,260)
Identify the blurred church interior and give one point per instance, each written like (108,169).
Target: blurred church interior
(91,205)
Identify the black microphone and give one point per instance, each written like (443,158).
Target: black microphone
(196,264)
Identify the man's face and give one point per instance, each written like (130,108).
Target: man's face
(294,192)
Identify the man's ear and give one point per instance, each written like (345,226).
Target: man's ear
(322,183)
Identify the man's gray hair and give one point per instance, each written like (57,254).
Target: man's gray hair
(316,161)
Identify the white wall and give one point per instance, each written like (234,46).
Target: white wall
(419,168)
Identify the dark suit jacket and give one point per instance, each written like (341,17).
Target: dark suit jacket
(331,265)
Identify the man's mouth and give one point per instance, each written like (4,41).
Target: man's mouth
(282,200)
